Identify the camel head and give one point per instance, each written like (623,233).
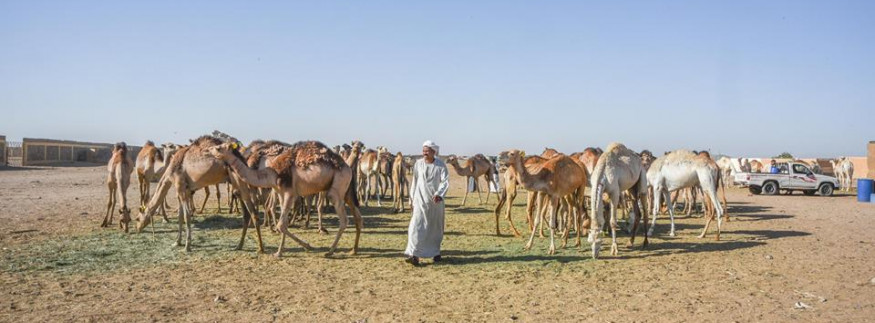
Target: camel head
(512,157)
(452,160)
(168,149)
(224,152)
(143,219)
(647,158)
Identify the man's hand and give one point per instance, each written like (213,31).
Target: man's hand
(437,199)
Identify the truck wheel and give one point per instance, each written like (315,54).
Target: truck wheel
(770,188)
(825,189)
(755,189)
(809,192)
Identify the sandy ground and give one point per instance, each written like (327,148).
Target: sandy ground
(57,265)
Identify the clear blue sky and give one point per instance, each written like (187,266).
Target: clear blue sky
(737,77)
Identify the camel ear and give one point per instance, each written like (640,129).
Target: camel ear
(522,153)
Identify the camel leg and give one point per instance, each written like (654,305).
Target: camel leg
(511,195)
(368,189)
(614,249)
(542,212)
(306,211)
(488,187)
(657,194)
(204,205)
(712,195)
(567,228)
(110,205)
(554,208)
(467,181)
(632,216)
(218,199)
(634,225)
(725,204)
(187,214)
(125,213)
(341,214)
(477,188)
(180,216)
(320,228)
(530,209)
(357,217)
(144,193)
(643,211)
(502,197)
(249,207)
(379,185)
(535,225)
(284,225)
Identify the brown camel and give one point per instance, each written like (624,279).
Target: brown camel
(399,182)
(558,177)
(384,171)
(475,167)
(118,179)
(191,169)
(508,193)
(369,164)
(150,165)
(304,169)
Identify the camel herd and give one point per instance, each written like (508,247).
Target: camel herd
(296,177)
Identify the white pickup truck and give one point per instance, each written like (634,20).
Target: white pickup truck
(791,177)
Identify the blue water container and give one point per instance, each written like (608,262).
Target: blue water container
(864,190)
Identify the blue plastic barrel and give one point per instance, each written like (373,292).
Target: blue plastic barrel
(864,190)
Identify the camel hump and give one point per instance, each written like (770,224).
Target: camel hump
(306,153)
(206,141)
(614,146)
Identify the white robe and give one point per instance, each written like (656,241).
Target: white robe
(426,230)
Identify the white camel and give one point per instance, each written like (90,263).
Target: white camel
(618,169)
(844,171)
(683,169)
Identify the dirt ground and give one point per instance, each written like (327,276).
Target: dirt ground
(57,265)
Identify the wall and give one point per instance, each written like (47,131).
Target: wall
(50,151)
(4,159)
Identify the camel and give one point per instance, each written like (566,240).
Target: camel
(399,182)
(369,163)
(150,165)
(617,170)
(843,169)
(558,177)
(755,166)
(683,169)
(384,170)
(191,169)
(589,157)
(351,158)
(474,168)
(304,169)
(508,193)
(118,179)
(727,168)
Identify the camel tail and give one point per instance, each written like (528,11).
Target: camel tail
(351,191)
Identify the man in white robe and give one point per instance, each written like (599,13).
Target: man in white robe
(427,191)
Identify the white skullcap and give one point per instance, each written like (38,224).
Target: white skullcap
(432,145)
